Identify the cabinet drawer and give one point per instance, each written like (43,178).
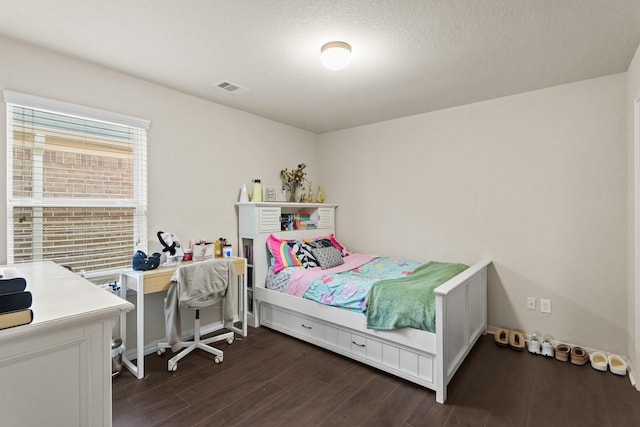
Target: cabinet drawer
(297,324)
(311,329)
(360,345)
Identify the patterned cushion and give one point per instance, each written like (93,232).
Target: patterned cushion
(320,243)
(280,281)
(331,238)
(282,253)
(327,257)
(303,253)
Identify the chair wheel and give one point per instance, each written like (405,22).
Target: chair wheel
(172,368)
(217,359)
(230,340)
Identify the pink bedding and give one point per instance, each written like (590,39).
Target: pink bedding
(300,280)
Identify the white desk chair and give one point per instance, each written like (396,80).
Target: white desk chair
(198,342)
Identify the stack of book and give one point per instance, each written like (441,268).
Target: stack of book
(15,303)
(287,222)
(248,253)
(299,221)
(304,224)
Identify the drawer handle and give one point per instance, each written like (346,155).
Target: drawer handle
(306,327)
(359,345)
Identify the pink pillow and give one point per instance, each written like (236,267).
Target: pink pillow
(282,253)
(338,246)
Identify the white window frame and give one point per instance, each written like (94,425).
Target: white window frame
(139,202)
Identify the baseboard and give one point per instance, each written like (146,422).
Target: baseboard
(630,369)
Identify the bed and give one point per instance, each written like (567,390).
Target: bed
(428,358)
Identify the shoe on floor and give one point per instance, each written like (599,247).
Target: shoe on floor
(502,337)
(579,356)
(562,352)
(534,345)
(617,365)
(516,340)
(547,348)
(598,361)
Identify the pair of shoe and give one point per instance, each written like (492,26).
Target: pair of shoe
(505,337)
(578,355)
(616,364)
(536,347)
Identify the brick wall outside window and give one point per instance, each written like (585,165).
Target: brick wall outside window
(85,238)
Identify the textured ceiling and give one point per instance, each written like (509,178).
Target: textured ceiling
(409,57)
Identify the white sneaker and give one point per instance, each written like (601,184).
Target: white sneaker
(534,345)
(547,348)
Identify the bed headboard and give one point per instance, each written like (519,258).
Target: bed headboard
(256,221)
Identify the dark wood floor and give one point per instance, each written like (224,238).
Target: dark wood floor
(269,379)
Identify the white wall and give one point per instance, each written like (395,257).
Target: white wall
(199,152)
(535,181)
(633,94)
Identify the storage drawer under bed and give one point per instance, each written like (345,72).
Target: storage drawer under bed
(384,355)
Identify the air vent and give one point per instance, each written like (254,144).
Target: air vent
(232,87)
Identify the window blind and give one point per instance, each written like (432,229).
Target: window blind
(76,184)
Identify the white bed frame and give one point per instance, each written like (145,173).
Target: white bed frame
(425,358)
(422,357)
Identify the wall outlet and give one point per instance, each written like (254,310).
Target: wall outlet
(545,305)
(531,303)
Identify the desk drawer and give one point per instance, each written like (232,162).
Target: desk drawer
(158,283)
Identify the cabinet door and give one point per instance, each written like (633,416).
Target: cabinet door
(325,217)
(268,220)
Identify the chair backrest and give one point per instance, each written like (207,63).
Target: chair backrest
(203,283)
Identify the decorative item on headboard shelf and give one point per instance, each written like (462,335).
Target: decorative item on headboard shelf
(309,197)
(292,180)
(256,196)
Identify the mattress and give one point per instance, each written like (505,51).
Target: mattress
(402,295)
(345,286)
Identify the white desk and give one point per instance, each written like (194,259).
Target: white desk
(159,280)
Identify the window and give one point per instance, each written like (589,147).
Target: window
(76,184)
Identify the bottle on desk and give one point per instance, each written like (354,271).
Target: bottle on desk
(227,250)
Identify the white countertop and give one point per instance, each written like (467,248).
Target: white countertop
(61,298)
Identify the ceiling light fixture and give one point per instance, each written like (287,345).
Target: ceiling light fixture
(335,55)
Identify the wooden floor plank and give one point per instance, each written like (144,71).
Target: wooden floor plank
(356,409)
(397,407)
(323,405)
(549,394)
(271,379)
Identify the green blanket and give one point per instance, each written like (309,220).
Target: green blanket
(408,301)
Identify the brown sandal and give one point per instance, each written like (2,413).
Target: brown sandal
(579,356)
(502,337)
(562,352)
(516,340)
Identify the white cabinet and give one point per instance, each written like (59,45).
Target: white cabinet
(256,221)
(56,371)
